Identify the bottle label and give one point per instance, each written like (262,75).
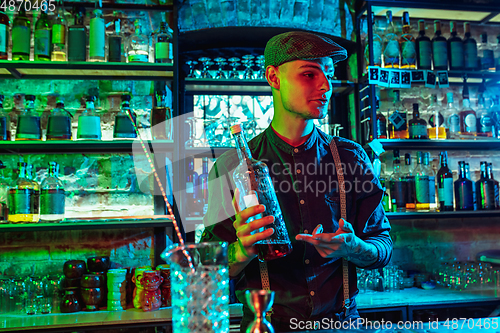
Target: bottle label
(398,193)
(138,58)
(42,42)
(58,34)
(21,39)
(470,123)
(408,53)
(470,55)
(440,120)
(485,124)
(424,53)
(440,53)
(454,123)
(96,43)
(89,127)
(445,193)
(162,50)
(52,202)
(250,200)
(422,189)
(418,130)
(488,60)
(23,202)
(457,54)
(432,189)
(398,120)
(3,38)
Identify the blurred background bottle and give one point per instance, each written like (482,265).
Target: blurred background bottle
(116,48)
(21,36)
(89,123)
(138,45)
(59,29)
(59,123)
(424,47)
(52,196)
(77,36)
(28,122)
(97,41)
(125,126)
(43,31)
(22,198)
(4,35)
(4,122)
(163,44)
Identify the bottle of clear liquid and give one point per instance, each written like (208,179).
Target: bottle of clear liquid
(452,117)
(43,31)
(89,123)
(163,44)
(486,52)
(398,185)
(398,128)
(424,48)
(116,48)
(59,28)
(256,187)
(464,196)
(23,198)
(470,49)
(391,44)
(455,49)
(52,196)
(97,41)
(468,120)
(4,193)
(484,118)
(421,184)
(377,45)
(439,48)
(407,44)
(77,37)
(21,36)
(432,182)
(4,122)
(28,122)
(124,127)
(436,127)
(138,45)
(410,183)
(445,184)
(59,123)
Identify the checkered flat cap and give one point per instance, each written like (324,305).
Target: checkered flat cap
(301,45)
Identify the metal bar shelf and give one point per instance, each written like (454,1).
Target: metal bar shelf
(468,144)
(85,70)
(84,146)
(443,215)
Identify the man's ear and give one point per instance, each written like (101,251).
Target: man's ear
(272,76)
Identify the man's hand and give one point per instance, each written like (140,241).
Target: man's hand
(342,243)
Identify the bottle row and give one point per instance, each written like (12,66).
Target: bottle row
(415,189)
(55,41)
(439,122)
(439,53)
(89,123)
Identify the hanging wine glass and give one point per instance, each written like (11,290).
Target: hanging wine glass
(248,62)
(260,61)
(191,64)
(210,124)
(220,73)
(235,62)
(205,61)
(193,141)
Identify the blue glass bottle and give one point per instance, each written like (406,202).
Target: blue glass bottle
(463,190)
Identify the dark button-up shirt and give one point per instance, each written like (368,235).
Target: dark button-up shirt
(306,285)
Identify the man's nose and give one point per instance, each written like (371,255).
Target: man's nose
(326,84)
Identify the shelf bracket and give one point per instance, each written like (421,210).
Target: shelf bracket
(15,73)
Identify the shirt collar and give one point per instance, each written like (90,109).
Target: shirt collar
(287,148)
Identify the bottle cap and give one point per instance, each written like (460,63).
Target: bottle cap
(126,97)
(90,98)
(235,129)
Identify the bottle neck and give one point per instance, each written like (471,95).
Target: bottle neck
(443,160)
(204,166)
(483,171)
(396,165)
(22,172)
(244,152)
(53,172)
(489,171)
(461,171)
(90,107)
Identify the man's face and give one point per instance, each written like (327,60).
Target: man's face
(305,87)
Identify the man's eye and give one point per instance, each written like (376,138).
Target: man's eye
(308,74)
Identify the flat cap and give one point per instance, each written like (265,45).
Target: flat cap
(301,45)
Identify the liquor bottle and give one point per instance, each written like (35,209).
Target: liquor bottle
(163,45)
(4,194)
(496,185)
(421,184)
(417,126)
(125,126)
(97,40)
(397,119)
(486,53)
(445,184)
(59,28)
(424,48)
(256,187)
(31,176)
(496,54)
(385,198)
(391,44)
(398,185)
(4,35)
(89,123)
(161,118)
(59,123)
(455,49)
(432,182)
(28,122)
(4,122)
(21,36)
(439,48)
(485,190)
(463,190)
(52,196)
(22,199)
(436,127)
(484,118)
(468,121)
(452,117)
(116,48)
(495,116)
(43,30)
(203,185)
(77,37)
(410,183)
(381,124)
(138,45)
(192,203)
(470,49)
(407,44)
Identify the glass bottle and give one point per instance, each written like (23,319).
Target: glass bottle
(4,193)
(52,196)
(4,35)
(455,49)
(138,45)
(436,127)
(203,185)
(161,118)
(256,187)
(463,190)
(496,54)
(496,185)
(116,48)
(397,119)
(486,52)
(4,122)
(43,31)
(77,37)
(417,126)
(445,184)
(28,122)
(163,45)
(59,123)
(421,184)
(407,44)
(193,207)
(485,190)
(89,123)
(424,48)
(484,119)
(432,182)
(452,117)
(439,48)
(97,41)
(391,44)
(468,120)
(23,198)
(124,126)
(381,123)
(21,36)
(470,49)
(59,28)
(410,183)
(398,185)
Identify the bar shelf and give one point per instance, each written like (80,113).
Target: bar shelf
(443,215)
(468,144)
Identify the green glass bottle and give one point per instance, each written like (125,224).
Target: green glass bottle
(43,31)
